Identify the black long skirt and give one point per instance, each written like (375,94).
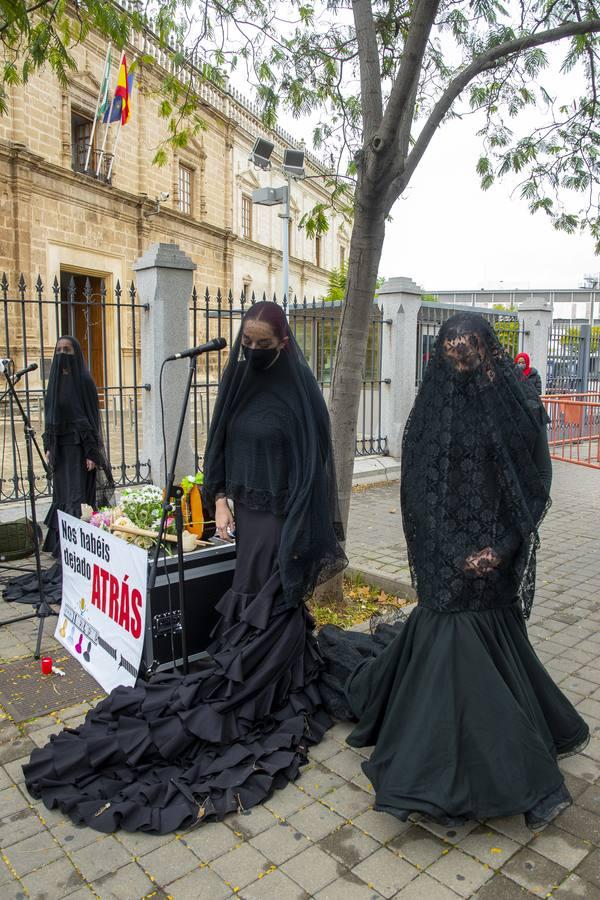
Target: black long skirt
(72,485)
(465,721)
(179,750)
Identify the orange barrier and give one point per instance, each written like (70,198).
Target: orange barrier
(574,427)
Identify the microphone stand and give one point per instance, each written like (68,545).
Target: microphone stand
(13,380)
(44,610)
(167,507)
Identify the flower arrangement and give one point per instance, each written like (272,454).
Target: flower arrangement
(143,506)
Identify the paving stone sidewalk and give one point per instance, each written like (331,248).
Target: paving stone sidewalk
(320,837)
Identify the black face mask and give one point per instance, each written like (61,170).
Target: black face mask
(260,358)
(66,362)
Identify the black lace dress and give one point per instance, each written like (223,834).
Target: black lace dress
(465,721)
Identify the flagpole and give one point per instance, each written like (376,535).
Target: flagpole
(112,103)
(114,150)
(89,151)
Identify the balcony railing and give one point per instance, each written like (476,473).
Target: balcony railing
(99,163)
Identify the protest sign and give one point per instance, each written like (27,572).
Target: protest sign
(102,615)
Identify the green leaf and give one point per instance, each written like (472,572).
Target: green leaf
(161,157)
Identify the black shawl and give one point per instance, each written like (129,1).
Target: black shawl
(469,475)
(269,447)
(72,415)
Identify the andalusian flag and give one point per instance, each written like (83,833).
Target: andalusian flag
(122,91)
(103,102)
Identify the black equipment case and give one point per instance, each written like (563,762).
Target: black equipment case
(208,574)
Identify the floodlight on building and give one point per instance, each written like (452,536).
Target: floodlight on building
(293,163)
(261,153)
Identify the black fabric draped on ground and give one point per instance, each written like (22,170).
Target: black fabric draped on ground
(181,750)
(466,721)
(25,588)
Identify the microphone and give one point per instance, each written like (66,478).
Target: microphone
(30,368)
(216,344)
(5,365)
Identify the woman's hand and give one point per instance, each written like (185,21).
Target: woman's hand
(90,465)
(48,457)
(223,519)
(482,563)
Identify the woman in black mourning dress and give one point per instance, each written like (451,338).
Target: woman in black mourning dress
(73,439)
(466,722)
(179,750)
(76,457)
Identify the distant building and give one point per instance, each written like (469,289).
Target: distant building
(568,304)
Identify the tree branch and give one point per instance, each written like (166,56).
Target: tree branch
(487,60)
(421,24)
(370,71)
(27,12)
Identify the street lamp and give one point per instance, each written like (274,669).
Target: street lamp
(292,168)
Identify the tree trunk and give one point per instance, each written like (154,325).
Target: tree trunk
(365,253)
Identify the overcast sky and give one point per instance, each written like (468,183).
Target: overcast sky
(448,234)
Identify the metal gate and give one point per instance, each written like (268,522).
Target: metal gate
(315,326)
(107,325)
(573,358)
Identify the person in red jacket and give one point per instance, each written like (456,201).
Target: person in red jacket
(526,371)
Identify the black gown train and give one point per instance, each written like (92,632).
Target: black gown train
(161,756)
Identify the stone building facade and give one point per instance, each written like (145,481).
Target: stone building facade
(57,221)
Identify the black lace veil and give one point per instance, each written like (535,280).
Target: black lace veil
(292,473)
(472,496)
(71,408)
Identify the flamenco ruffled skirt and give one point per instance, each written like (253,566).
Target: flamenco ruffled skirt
(177,751)
(465,721)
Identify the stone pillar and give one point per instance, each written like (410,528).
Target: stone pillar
(164,282)
(400,299)
(535,319)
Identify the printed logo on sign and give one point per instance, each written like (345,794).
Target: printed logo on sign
(80,623)
(103,602)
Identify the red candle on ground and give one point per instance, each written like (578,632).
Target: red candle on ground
(46,665)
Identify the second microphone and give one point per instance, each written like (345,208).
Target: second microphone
(216,344)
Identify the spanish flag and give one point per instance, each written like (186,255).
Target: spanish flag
(115,109)
(122,91)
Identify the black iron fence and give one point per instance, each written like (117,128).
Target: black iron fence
(108,328)
(107,322)
(315,326)
(432,316)
(573,358)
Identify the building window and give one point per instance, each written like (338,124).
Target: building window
(318,250)
(246,217)
(185,189)
(342,256)
(81,132)
(84,138)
